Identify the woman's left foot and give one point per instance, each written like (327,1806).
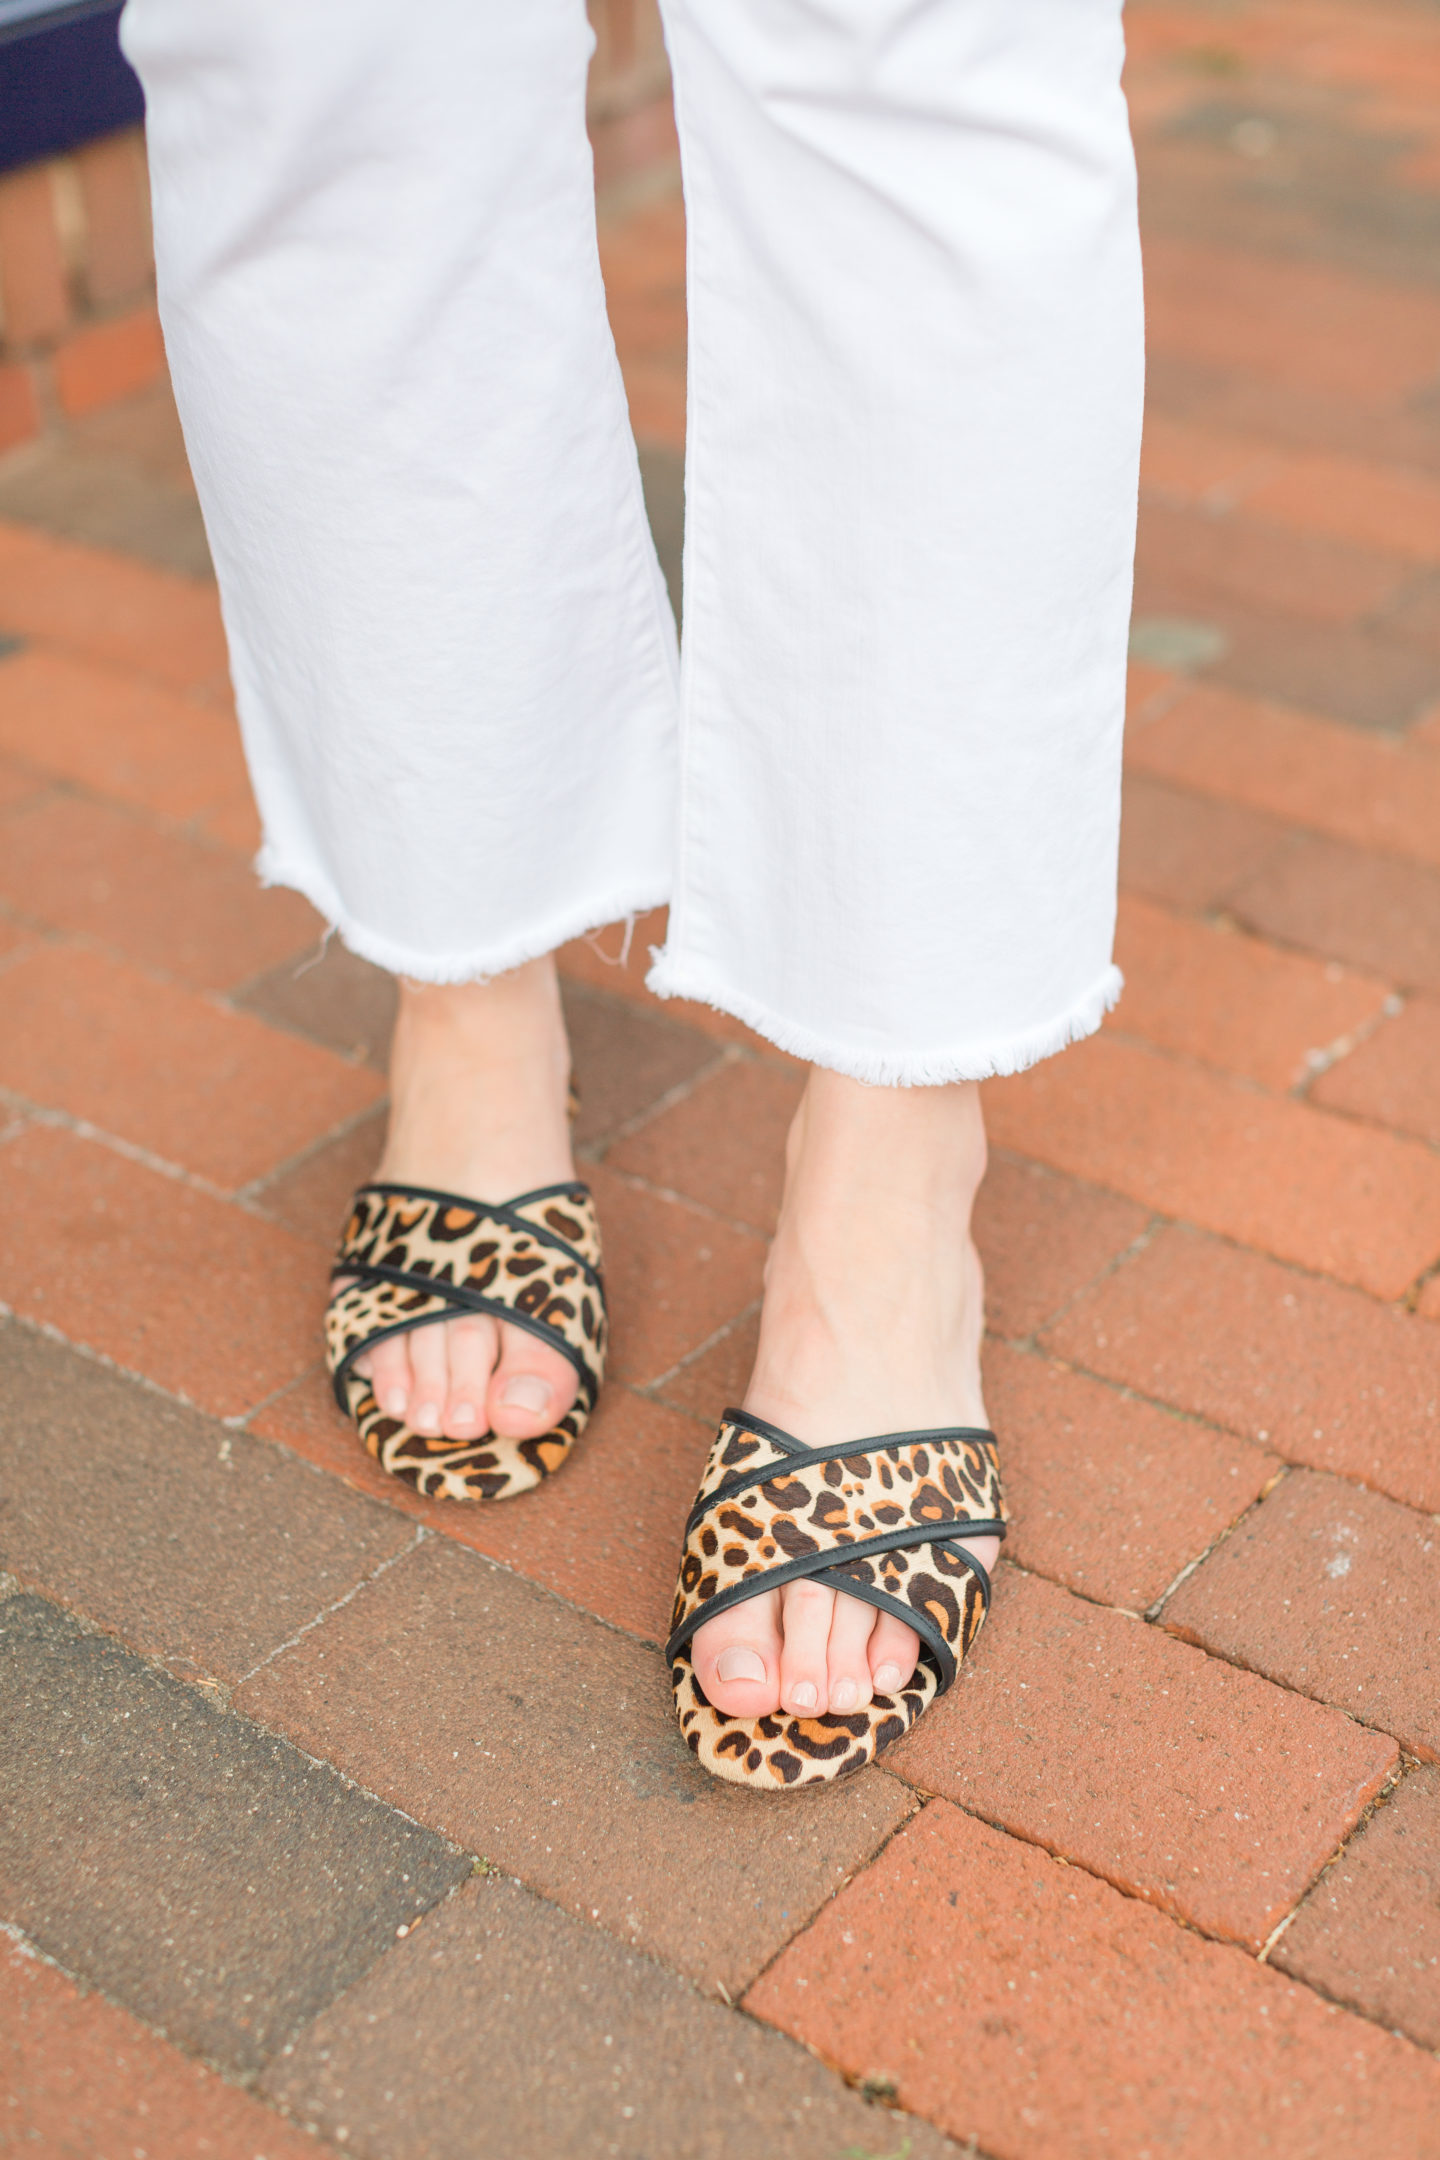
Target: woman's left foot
(872,1321)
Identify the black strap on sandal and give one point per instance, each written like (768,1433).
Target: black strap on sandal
(413,1255)
(878,1519)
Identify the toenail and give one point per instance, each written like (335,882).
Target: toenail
(526,1391)
(843,1694)
(395,1401)
(426,1418)
(804,1695)
(464,1414)
(738,1663)
(887,1679)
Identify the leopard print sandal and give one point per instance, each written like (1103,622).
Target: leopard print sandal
(873,1518)
(414,1256)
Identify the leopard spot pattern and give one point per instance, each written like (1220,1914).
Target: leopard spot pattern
(765,1513)
(538,1258)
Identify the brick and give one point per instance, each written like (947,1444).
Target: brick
(605,1533)
(723,1144)
(1376,675)
(1187,850)
(1205,552)
(1298,1182)
(548,1742)
(1038,2011)
(1229,399)
(602,2051)
(1391,1077)
(134,740)
(123,613)
(1347,499)
(617,960)
(162,899)
(1292,324)
(108,361)
(141,1849)
(312,1197)
(186,1290)
(19,785)
(1320,1374)
(116,195)
(626,1060)
(1210,1792)
(673,1275)
(192,1542)
(1369,910)
(1333,1591)
(634,144)
(1110,1496)
(79,2076)
(707,1384)
(331,995)
(20,417)
(1042,1238)
(1147,689)
(234,822)
(1233,1001)
(1375,794)
(216,1092)
(33,299)
(1369,1932)
(1197,465)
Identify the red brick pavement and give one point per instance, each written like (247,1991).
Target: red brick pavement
(1193,1744)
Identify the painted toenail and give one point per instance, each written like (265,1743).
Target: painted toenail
(843,1694)
(887,1679)
(738,1663)
(804,1695)
(427,1418)
(526,1392)
(395,1401)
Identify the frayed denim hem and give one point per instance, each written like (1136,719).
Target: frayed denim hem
(476,964)
(896,1068)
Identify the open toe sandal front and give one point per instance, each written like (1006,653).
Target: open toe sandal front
(415,1256)
(877,1519)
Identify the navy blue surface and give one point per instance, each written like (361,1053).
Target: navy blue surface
(63,81)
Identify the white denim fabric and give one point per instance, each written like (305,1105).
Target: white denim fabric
(882,792)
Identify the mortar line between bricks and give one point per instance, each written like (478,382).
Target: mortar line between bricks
(598,1148)
(1137,1897)
(249,1194)
(421,1534)
(29,1948)
(160,1165)
(675,1198)
(1294,826)
(1031,1346)
(1154,1611)
(725,1329)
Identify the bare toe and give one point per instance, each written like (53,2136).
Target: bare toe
(894,1649)
(737,1657)
(387,1367)
(471,1347)
(808,1609)
(531,1388)
(429,1378)
(846,1660)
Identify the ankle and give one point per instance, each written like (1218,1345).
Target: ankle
(479,1078)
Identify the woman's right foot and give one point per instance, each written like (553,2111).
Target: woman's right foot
(479,1093)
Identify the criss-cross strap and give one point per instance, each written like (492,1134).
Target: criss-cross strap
(878,1519)
(409,1256)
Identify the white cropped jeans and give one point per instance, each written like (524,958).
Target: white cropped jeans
(881,790)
